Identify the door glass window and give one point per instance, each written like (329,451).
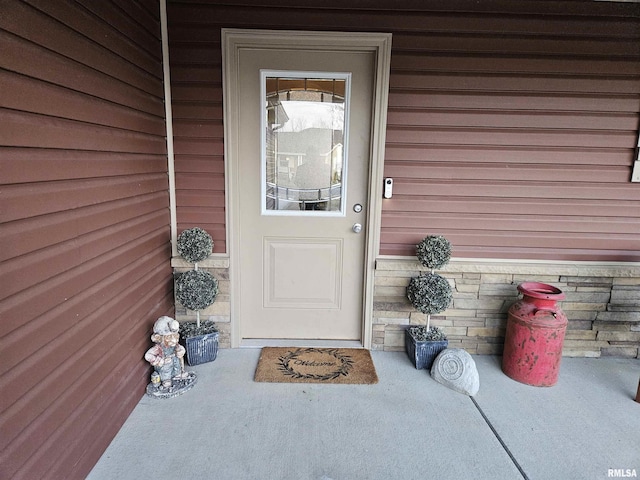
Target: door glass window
(304,143)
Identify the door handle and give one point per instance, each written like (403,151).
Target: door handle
(357,228)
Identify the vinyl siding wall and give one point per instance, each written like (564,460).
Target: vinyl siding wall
(85,237)
(511,126)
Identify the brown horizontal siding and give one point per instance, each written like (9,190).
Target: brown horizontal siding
(30,24)
(510,190)
(509,118)
(622,238)
(52,261)
(84,235)
(564,7)
(24,201)
(33,164)
(60,329)
(196,90)
(22,92)
(89,385)
(512,172)
(557,86)
(21,129)
(514,136)
(514,154)
(523,65)
(29,235)
(27,59)
(491,44)
(509,99)
(610,209)
(511,125)
(113,270)
(516,147)
(488,20)
(135,42)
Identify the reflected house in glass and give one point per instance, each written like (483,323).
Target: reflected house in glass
(304,143)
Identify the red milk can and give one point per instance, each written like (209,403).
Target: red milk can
(534,336)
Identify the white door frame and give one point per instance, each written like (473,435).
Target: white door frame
(233,41)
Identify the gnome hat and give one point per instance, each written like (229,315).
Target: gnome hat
(165,326)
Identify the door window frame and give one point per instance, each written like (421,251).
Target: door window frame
(233,42)
(301,74)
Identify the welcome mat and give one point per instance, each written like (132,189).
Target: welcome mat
(316,365)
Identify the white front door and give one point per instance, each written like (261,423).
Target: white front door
(302,174)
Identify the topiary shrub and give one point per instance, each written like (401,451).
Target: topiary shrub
(429,293)
(421,334)
(434,251)
(196,289)
(190,329)
(195,245)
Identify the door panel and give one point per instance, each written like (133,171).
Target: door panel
(302,265)
(302,273)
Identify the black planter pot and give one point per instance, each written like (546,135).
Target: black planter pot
(423,353)
(201,348)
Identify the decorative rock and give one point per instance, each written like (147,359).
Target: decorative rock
(454,368)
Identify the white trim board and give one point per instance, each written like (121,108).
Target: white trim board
(166,72)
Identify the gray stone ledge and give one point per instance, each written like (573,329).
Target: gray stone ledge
(214,261)
(515,267)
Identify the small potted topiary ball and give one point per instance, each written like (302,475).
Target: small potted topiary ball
(429,293)
(196,290)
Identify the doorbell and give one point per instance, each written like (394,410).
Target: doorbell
(388,188)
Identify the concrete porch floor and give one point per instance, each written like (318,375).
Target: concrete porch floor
(405,427)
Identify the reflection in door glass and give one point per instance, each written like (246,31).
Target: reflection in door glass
(304,144)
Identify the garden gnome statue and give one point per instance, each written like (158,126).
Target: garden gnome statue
(166,356)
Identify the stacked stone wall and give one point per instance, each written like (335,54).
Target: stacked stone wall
(602,304)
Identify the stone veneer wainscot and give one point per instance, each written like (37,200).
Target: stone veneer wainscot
(602,304)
